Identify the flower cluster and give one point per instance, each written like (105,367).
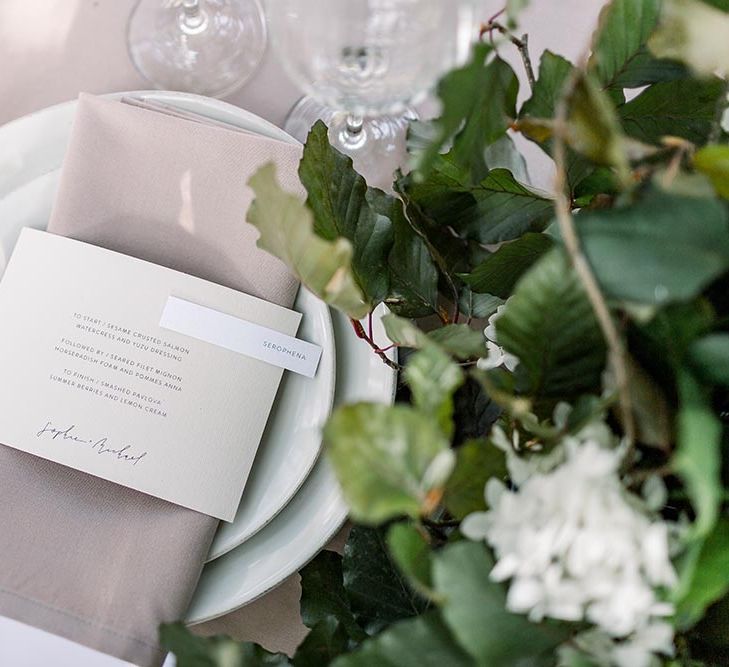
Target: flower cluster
(577,546)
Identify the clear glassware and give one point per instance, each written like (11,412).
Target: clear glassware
(210,47)
(363,63)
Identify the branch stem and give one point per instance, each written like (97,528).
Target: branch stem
(360,332)
(521,43)
(617,357)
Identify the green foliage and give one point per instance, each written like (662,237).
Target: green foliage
(499,273)
(714,162)
(710,579)
(698,457)
(418,642)
(661,249)
(477,461)
(647,184)
(549,325)
(378,592)
(386,459)
(473,607)
(286,228)
(476,120)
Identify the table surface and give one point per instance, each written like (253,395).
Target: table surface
(50,50)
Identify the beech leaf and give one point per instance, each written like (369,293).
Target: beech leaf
(286,229)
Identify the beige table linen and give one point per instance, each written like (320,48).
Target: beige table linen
(82,557)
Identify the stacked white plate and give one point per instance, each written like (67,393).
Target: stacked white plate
(291,506)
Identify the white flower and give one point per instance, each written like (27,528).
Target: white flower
(577,546)
(496,356)
(637,651)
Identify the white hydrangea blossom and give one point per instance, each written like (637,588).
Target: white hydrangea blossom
(577,546)
(496,356)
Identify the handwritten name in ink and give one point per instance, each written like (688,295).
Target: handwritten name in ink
(124,454)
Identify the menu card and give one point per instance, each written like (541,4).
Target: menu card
(136,373)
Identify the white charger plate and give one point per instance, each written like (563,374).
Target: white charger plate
(292,440)
(31,151)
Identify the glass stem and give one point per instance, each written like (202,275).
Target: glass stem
(354,125)
(193,19)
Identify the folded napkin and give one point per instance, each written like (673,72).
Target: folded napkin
(82,557)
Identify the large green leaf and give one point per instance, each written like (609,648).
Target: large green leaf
(710,579)
(681,108)
(554,70)
(193,651)
(474,609)
(458,340)
(385,459)
(286,231)
(323,595)
(698,459)
(695,33)
(619,57)
(413,273)
(710,358)
(664,248)
(593,128)
(501,271)
(411,553)
(477,461)
(550,326)
(498,208)
(379,593)
(423,641)
(343,206)
(479,103)
(324,643)
(433,377)
(714,162)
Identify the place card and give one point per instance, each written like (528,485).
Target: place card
(139,374)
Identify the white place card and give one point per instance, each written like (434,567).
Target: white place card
(90,379)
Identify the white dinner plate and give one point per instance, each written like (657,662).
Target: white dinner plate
(31,151)
(292,440)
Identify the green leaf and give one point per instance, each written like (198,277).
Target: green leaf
(193,651)
(382,456)
(697,459)
(695,33)
(711,577)
(619,57)
(664,248)
(458,340)
(343,206)
(709,357)
(324,643)
(593,128)
(498,208)
(478,306)
(413,274)
(411,553)
(714,162)
(477,461)
(500,272)
(539,109)
(474,609)
(323,595)
(550,326)
(286,231)
(432,378)
(479,103)
(681,108)
(423,641)
(379,593)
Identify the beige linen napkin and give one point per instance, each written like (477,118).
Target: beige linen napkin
(81,557)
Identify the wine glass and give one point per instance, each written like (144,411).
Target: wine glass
(362,63)
(210,47)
